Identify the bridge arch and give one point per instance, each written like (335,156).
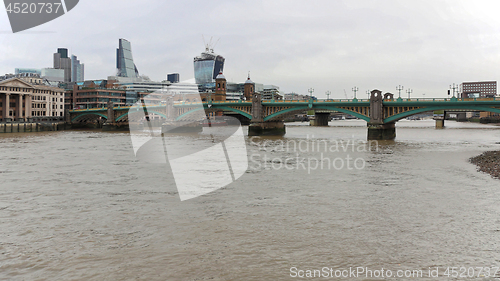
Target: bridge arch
(305,108)
(405,114)
(89,114)
(227,108)
(149,111)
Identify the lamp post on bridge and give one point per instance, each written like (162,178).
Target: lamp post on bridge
(453,88)
(368,93)
(311,91)
(409,91)
(355,89)
(399,89)
(328,95)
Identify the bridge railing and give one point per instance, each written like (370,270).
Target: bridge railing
(318,101)
(444,99)
(302,101)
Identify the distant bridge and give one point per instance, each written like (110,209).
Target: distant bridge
(380,111)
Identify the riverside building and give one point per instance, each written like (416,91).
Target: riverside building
(28,99)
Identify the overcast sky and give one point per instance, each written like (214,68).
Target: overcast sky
(326,45)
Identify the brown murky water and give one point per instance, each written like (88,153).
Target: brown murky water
(77,205)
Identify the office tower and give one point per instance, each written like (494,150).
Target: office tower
(61,61)
(63,52)
(485,89)
(207,66)
(124,61)
(77,70)
(173,77)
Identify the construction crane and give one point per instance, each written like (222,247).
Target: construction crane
(209,46)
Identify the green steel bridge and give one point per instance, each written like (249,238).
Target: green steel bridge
(380,112)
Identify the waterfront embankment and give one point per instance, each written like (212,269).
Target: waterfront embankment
(33,127)
(488,162)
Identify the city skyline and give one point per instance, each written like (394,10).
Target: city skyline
(326,45)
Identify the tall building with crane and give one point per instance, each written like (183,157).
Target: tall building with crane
(208,65)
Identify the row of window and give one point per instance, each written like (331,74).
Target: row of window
(479,87)
(15,89)
(33,105)
(103,100)
(44,113)
(101,94)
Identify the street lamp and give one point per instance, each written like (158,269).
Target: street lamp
(355,89)
(368,93)
(409,91)
(399,89)
(453,88)
(311,91)
(328,95)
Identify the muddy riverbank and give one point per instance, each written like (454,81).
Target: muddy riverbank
(488,162)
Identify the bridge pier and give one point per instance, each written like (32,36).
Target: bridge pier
(320,119)
(110,124)
(259,127)
(439,123)
(273,128)
(115,127)
(461,117)
(385,131)
(377,128)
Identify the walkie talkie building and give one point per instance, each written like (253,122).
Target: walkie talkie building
(207,66)
(124,62)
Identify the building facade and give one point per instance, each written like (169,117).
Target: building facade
(97,93)
(92,94)
(485,89)
(271,92)
(28,70)
(295,96)
(52,76)
(25,101)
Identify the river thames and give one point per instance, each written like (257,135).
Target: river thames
(78,205)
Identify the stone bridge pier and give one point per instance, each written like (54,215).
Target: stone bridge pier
(111,124)
(320,119)
(259,127)
(377,129)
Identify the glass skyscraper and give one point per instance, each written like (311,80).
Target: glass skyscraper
(207,66)
(77,69)
(124,62)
